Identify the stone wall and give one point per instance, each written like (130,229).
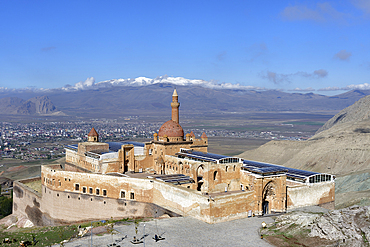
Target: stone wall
(322,194)
(27,202)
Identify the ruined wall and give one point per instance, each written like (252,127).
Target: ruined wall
(322,194)
(27,202)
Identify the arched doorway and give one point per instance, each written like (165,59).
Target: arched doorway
(200,174)
(268,198)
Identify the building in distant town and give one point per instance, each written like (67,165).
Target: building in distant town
(172,174)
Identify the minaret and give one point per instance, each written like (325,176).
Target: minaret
(175,107)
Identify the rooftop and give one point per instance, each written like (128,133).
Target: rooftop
(208,157)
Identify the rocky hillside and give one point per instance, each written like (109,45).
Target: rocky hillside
(346,227)
(40,105)
(356,112)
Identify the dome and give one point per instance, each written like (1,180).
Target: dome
(171,129)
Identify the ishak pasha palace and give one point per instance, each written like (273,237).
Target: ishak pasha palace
(172,174)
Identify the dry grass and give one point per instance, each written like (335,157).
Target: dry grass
(35,185)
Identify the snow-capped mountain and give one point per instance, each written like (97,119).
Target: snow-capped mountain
(90,83)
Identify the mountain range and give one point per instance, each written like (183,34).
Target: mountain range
(144,96)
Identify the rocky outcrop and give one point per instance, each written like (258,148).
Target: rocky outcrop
(43,105)
(352,225)
(347,227)
(39,105)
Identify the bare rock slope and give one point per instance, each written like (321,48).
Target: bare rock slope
(356,112)
(39,105)
(346,227)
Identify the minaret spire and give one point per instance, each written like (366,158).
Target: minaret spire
(175,106)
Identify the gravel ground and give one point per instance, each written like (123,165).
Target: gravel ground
(185,232)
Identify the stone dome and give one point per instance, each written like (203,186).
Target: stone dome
(171,129)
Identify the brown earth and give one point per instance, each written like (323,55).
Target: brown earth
(16,168)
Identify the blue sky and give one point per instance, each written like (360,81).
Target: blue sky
(319,46)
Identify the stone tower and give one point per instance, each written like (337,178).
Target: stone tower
(175,107)
(93,136)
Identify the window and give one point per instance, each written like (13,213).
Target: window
(104,192)
(123,194)
(97,191)
(90,190)
(132,196)
(215,175)
(77,187)
(84,189)
(226,168)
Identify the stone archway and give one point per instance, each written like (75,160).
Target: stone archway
(200,174)
(268,198)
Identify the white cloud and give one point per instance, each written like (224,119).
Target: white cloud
(48,48)
(88,83)
(329,89)
(364,86)
(221,56)
(256,51)
(343,55)
(364,5)
(320,73)
(322,12)
(297,89)
(286,78)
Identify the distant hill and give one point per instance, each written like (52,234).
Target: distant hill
(39,105)
(154,99)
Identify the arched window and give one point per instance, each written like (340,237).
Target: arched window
(226,168)
(215,175)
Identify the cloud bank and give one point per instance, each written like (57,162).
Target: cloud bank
(286,78)
(321,12)
(364,86)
